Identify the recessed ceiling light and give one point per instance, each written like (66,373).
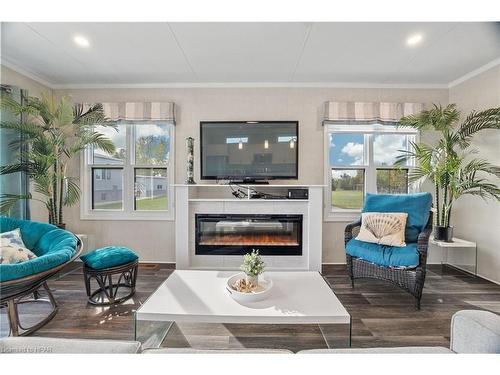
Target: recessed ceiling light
(81,41)
(414,39)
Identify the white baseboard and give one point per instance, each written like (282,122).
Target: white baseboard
(488,279)
(155,261)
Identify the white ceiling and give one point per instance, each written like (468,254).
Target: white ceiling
(248,53)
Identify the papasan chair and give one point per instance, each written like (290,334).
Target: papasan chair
(54,248)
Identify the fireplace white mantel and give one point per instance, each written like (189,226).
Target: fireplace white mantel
(217,199)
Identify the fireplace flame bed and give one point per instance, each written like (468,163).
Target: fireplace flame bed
(275,235)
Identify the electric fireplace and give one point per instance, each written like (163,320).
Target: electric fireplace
(238,234)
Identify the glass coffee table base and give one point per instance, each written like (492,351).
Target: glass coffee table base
(336,336)
(152,334)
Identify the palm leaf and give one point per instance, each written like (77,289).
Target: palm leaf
(90,115)
(72,192)
(481,165)
(436,118)
(12,106)
(8,201)
(475,122)
(14,168)
(44,108)
(94,139)
(417,174)
(43,184)
(27,128)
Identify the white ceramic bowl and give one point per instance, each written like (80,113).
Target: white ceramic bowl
(265,282)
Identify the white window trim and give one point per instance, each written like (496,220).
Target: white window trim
(369,167)
(128,212)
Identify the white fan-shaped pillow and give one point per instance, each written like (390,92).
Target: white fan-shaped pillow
(384,228)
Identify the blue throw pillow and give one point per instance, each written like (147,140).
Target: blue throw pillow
(417,206)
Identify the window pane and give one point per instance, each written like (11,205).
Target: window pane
(152,144)
(107,193)
(386,148)
(348,188)
(347,149)
(392,181)
(151,189)
(117,136)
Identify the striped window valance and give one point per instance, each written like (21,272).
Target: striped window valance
(140,111)
(369,112)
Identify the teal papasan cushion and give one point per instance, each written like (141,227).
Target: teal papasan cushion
(387,256)
(52,246)
(107,257)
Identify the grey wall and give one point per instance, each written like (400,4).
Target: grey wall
(10,77)
(473,218)
(154,240)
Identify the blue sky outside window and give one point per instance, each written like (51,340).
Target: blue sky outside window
(346,149)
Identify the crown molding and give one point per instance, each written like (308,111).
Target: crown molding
(187,85)
(26,73)
(474,73)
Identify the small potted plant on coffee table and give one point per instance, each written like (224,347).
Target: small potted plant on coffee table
(252,266)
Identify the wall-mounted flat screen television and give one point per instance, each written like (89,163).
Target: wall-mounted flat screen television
(249,150)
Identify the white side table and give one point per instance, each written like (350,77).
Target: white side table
(460,254)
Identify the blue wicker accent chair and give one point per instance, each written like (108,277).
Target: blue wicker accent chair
(23,282)
(402,266)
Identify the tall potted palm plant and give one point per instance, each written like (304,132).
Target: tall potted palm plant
(450,164)
(52,133)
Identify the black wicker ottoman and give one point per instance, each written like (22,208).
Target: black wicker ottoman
(114,269)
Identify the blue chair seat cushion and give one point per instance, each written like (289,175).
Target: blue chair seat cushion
(108,257)
(386,256)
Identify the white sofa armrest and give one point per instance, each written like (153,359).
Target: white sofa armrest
(475,331)
(46,345)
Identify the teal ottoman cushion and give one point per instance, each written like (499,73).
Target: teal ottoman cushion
(107,257)
(417,206)
(387,256)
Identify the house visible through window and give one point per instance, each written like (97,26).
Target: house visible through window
(134,180)
(361,159)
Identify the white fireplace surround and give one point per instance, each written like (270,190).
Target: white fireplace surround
(217,199)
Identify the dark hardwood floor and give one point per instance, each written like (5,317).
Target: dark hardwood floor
(382,314)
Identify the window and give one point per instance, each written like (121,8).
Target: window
(361,159)
(392,181)
(133,182)
(107,194)
(348,188)
(146,196)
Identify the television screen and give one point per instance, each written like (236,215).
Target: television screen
(249,150)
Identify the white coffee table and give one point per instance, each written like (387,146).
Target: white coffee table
(201,297)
